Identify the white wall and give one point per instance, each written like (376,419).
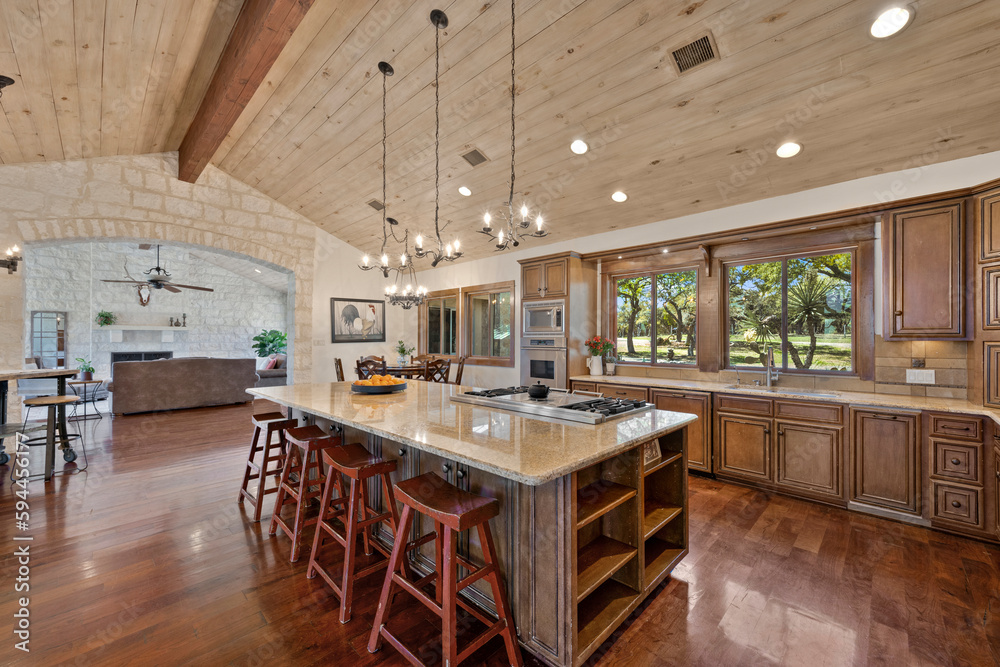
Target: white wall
(869,191)
(68,277)
(337,275)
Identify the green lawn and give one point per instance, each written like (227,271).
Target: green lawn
(832,351)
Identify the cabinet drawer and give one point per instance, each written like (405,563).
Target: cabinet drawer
(753,406)
(957,426)
(956,460)
(813,412)
(958,503)
(584,386)
(621,391)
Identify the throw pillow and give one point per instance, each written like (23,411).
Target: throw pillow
(270,364)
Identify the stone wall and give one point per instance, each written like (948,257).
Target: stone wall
(139,198)
(67,277)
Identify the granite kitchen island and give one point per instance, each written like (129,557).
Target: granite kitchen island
(592,517)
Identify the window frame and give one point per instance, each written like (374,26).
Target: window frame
(857,354)
(423,322)
(465,324)
(613,314)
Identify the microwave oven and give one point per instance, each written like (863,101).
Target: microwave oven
(544,317)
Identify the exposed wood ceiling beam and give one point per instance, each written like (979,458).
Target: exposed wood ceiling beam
(261,32)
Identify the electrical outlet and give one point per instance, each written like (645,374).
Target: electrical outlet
(917,363)
(915,376)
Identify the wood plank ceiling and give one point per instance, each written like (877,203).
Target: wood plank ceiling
(600,70)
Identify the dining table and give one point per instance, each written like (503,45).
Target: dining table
(407,371)
(61,374)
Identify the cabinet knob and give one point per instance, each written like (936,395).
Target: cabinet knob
(781,433)
(767,431)
(402,452)
(955,503)
(955,462)
(446,468)
(898,313)
(460,474)
(539,289)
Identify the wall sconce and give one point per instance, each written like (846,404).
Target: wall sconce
(10,261)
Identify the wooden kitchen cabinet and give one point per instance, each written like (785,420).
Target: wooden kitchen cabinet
(699,432)
(547,279)
(621,391)
(744,447)
(924,249)
(884,460)
(988,205)
(809,459)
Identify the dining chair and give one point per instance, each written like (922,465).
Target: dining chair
(369,366)
(437,370)
(459,369)
(421,357)
(373,358)
(339,367)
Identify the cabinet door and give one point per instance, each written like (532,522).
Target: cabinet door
(699,432)
(996,490)
(809,458)
(744,447)
(988,210)
(991,374)
(531,281)
(884,455)
(925,272)
(556,278)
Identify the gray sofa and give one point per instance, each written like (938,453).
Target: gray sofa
(274,377)
(175,384)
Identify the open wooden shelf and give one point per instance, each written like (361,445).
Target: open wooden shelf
(661,556)
(599,560)
(656,516)
(599,614)
(668,458)
(599,498)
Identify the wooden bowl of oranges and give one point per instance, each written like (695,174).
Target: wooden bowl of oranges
(379,384)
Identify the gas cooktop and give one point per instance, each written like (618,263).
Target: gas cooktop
(559,405)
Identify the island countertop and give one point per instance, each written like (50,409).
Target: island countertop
(524,449)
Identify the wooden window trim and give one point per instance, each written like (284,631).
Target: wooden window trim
(466,336)
(422,323)
(612,328)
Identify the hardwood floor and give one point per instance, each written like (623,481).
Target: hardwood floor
(147,559)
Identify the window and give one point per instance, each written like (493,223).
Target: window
(800,306)
(489,319)
(656,318)
(442,325)
(48,338)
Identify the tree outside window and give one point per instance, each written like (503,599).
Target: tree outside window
(656,318)
(800,306)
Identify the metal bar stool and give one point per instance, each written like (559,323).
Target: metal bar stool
(303,459)
(358,465)
(270,423)
(55,405)
(453,511)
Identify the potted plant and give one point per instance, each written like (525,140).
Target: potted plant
(609,363)
(105,318)
(598,346)
(269,342)
(403,352)
(86,369)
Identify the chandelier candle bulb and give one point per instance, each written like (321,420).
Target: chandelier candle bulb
(457,245)
(538,221)
(365,260)
(402,260)
(420,242)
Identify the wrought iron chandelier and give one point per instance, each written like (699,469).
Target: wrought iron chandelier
(512,227)
(11,259)
(412,294)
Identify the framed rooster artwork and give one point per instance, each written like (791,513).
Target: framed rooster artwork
(357,320)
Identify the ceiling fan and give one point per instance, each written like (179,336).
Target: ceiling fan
(158,279)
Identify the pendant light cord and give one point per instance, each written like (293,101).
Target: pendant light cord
(437,131)
(510,200)
(385,235)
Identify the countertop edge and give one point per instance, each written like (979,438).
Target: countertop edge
(530,480)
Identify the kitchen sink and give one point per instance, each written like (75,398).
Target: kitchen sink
(788,391)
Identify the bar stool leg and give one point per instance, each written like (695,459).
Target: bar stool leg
(300,509)
(449,650)
(333,479)
(364,515)
(500,595)
(398,533)
(350,546)
(386,597)
(290,462)
(50,442)
(246,474)
(439,562)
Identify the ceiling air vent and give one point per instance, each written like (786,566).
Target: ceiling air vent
(474,157)
(376,204)
(696,53)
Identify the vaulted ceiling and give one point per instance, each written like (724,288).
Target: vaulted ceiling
(118,77)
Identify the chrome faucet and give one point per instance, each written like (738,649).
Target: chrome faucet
(770,374)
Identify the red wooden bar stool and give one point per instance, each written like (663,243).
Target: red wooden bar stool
(453,511)
(273,461)
(358,465)
(304,446)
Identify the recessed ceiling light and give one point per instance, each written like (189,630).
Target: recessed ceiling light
(890,22)
(257,270)
(619,256)
(579,147)
(464,191)
(619,196)
(790,149)
(666,250)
